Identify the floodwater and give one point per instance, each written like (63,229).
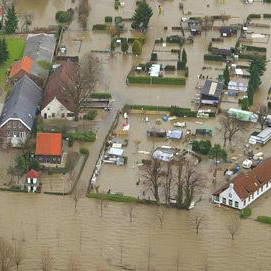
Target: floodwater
(110,241)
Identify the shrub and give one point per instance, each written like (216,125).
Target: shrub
(125,158)
(90,115)
(255,48)
(117,4)
(245,213)
(140,39)
(264,219)
(84,151)
(124,46)
(108,19)
(267,15)
(202,147)
(186,71)
(118,19)
(170,68)
(99,27)
(70,142)
(137,48)
(101,95)
(154,57)
(245,104)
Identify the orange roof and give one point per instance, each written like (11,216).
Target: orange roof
(48,144)
(24,64)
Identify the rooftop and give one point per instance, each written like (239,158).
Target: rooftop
(32,174)
(49,144)
(212,88)
(25,64)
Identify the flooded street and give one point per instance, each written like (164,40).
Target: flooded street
(104,238)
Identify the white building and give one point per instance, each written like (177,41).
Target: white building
(246,187)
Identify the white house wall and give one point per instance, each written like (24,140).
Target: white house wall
(55,107)
(225,194)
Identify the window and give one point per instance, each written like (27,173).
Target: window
(48,108)
(53,115)
(261,189)
(244,202)
(14,133)
(8,124)
(20,125)
(8,133)
(230,202)
(14,124)
(224,200)
(257,192)
(70,114)
(266,185)
(62,115)
(236,204)
(230,195)
(252,196)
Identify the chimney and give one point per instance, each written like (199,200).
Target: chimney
(231,185)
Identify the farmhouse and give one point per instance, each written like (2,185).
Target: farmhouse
(211,93)
(245,187)
(19,112)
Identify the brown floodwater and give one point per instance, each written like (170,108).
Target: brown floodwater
(106,242)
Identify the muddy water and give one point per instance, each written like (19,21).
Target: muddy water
(42,222)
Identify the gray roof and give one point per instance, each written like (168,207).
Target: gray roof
(212,88)
(40,47)
(22,103)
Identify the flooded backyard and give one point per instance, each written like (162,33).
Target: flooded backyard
(103,235)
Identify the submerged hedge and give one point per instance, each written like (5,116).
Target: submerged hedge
(112,197)
(156,80)
(264,219)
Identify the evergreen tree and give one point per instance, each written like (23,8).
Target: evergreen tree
(11,22)
(216,152)
(250,94)
(255,79)
(226,76)
(142,16)
(260,63)
(1,52)
(137,48)
(4,50)
(184,58)
(124,46)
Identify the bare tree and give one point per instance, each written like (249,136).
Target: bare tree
(47,261)
(168,182)
(82,82)
(73,263)
(229,128)
(161,214)
(131,213)
(77,193)
(6,255)
(83,13)
(198,219)
(233,225)
(18,254)
(152,174)
(262,113)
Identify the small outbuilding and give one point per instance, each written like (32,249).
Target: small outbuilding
(211,93)
(33,181)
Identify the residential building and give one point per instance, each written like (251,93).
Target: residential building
(56,102)
(211,93)
(32,181)
(21,68)
(40,48)
(48,148)
(246,187)
(19,112)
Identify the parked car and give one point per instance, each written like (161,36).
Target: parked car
(247,164)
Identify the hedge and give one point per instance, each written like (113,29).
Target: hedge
(99,27)
(182,112)
(154,57)
(149,107)
(213,57)
(83,136)
(267,15)
(156,80)
(255,48)
(170,68)
(245,213)
(253,16)
(264,219)
(108,19)
(140,39)
(13,190)
(244,56)
(112,197)
(101,95)
(267,1)
(118,19)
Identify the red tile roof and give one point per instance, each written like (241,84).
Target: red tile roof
(32,174)
(55,88)
(246,184)
(24,64)
(48,144)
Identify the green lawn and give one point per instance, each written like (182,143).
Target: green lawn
(16,50)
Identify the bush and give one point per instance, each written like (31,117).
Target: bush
(264,219)
(245,213)
(70,142)
(118,19)
(108,19)
(154,57)
(83,136)
(137,48)
(186,71)
(90,115)
(99,27)
(267,15)
(124,46)
(84,151)
(170,68)
(211,57)
(125,158)
(202,147)
(117,4)
(101,95)
(255,48)
(140,39)
(112,197)
(64,16)
(245,104)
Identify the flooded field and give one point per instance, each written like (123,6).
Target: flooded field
(105,238)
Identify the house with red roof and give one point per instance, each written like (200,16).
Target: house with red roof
(56,103)
(32,181)
(48,148)
(246,187)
